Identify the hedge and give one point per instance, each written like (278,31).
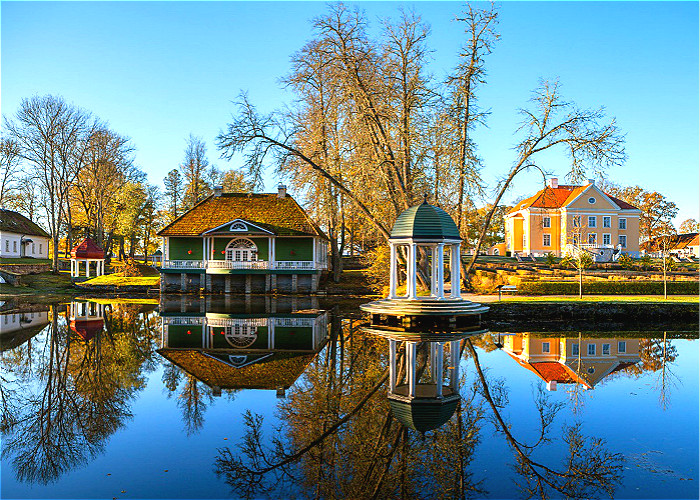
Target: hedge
(610,287)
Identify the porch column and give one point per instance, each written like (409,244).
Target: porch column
(441,271)
(204,249)
(456,272)
(87,268)
(393,274)
(271,252)
(411,277)
(411,368)
(438,369)
(392,365)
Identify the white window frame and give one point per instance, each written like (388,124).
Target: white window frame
(607,221)
(14,246)
(622,223)
(547,240)
(594,220)
(547,222)
(622,240)
(621,347)
(575,239)
(608,237)
(239,226)
(546,348)
(576,221)
(591,200)
(574,349)
(606,349)
(588,349)
(592,239)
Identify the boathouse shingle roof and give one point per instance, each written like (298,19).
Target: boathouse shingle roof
(281,215)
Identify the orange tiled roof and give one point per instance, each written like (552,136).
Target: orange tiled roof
(560,197)
(282,216)
(678,242)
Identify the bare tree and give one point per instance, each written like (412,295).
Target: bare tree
(194,168)
(590,142)
(10,158)
(54,138)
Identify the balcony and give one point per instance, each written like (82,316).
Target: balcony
(285,265)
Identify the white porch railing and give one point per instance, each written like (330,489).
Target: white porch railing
(295,264)
(184,264)
(285,265)
(183,320)
(232,264)
(221,322)
(294,322)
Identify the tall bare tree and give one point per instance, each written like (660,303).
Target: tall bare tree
(10,159)
(54,138)
(592,142)
(194,169)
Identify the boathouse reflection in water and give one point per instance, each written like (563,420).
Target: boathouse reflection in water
(232,345)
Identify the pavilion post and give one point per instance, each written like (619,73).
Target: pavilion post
(455,271)
(412,272)
(393,275)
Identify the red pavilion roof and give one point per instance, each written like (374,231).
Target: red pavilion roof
(87,249)
(87,329)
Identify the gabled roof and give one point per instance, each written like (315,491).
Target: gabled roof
(559,197)
(281,216)
(15,222)
(268,372)
(678,242)
(87,249)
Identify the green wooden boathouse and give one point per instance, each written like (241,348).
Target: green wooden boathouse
(244,243)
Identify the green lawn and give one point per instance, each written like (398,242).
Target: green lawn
(688,299)
(43,283)
(114,280)
(24,260)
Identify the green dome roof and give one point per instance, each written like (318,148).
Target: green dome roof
(426,222)
(423,416)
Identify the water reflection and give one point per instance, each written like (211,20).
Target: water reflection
(365,413)
(69,388)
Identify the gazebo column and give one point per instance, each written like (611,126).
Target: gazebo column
(392,366)
(454,363)
(393,274)
(455,271)
(440,276)
(412,271)
(438,369)
(411,368)
(87,268)
(433,271)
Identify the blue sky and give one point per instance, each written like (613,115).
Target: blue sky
(158,71)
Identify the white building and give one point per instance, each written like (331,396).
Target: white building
(20,237)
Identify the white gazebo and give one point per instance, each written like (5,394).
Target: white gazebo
(422,237)
(429,228)
(89,254)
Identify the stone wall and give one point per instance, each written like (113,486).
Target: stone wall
(25,268)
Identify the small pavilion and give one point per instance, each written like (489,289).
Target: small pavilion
(86,319)
(87,252)
(420,240)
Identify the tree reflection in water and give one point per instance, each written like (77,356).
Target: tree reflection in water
(338,439)
(69,394)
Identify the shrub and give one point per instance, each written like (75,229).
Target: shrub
(625,261)
(609,287)
(645,262)
(550,259)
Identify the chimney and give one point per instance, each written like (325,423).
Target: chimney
(281,190)
(591,181)
(218,190)
(552,385)
(554,183)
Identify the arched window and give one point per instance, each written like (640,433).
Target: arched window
(238,226)
(240,336)
(241,250)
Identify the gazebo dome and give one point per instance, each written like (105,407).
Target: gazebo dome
(425,222)
(87,249)
(87,329)
(423,416)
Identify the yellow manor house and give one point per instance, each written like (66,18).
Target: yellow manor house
(562,219)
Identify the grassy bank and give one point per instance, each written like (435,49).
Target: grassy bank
(119,281)
(683,299)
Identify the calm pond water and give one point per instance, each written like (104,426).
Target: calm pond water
(288,398)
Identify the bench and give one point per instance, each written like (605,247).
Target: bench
(505,289)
